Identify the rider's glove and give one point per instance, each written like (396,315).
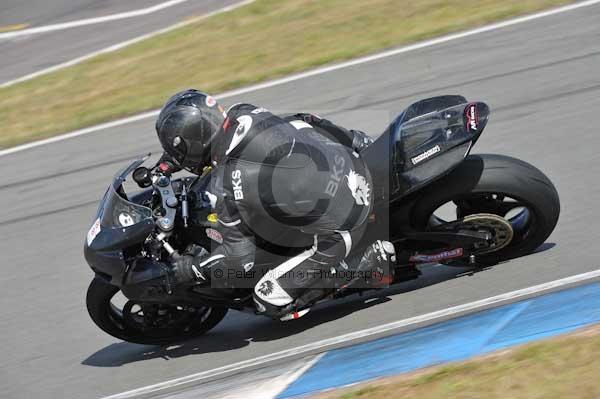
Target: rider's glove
(187,269)
(169,162)
(360,141)
(355,138)
(311,119)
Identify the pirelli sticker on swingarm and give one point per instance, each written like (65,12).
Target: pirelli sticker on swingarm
(425,155)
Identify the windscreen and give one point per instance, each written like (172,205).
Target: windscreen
(115,210)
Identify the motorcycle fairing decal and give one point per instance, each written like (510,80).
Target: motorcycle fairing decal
(93,232)
(430,258)
(471,118)
(425,155)
(126,220)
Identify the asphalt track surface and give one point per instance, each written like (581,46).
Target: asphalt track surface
(24,55)
(541,80)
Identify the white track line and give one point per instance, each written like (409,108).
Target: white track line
(270,388)
(91,21)
(318,71)
(369,332)
(126,43)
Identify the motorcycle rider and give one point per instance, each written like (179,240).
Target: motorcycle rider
(295,181)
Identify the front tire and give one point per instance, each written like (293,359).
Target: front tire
(495,184)
(111,320)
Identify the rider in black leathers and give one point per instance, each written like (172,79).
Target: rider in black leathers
(294,181)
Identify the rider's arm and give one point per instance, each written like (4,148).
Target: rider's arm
(354,139)
(238,245)
(238,241)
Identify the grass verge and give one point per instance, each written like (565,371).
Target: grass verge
(263,40)
(564,367)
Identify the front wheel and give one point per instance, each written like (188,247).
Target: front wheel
(148,324)
(498,185)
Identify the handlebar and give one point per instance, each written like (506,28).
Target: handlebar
(159,177)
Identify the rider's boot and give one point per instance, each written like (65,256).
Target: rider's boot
(374,269)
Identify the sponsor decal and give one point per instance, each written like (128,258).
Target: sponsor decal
(359,188)
(210,101)
(93,232)
(471,118)
(126,220)
(244,125)
(214,235)
(236,182)
(425,155)
(430,258)
(336,176)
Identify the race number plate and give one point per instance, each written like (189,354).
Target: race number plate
(94,230)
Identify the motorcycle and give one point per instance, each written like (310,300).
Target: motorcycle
(441,205)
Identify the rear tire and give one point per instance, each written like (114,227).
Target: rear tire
(110,319)
(481,175)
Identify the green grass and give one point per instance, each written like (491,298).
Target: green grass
(263,40)
(564,367)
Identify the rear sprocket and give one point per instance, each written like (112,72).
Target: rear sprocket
(501,229)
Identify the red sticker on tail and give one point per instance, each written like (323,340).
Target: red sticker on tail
(471,118)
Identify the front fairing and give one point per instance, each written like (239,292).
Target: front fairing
(122,222)
(119,224)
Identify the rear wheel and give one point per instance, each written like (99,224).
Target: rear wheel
(149,324)
(498,185)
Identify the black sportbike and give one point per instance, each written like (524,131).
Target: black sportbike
(441,205)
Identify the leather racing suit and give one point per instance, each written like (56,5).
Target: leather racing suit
(296,182)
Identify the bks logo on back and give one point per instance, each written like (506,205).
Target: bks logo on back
(336,176)
(471,118)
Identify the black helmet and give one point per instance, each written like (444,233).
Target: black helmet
(186,127)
